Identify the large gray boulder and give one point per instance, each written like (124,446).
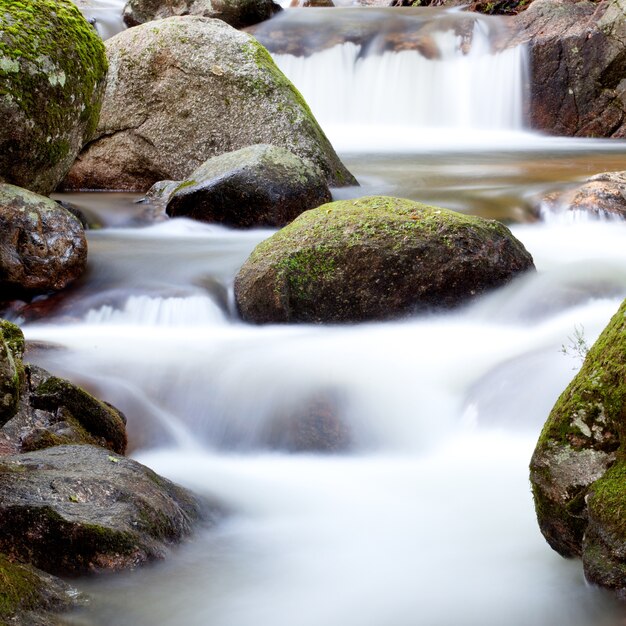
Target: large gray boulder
(42,246)
(256,186)
(52,73)
(184,89)
(578,469)
(375,258)
(578,66)
(237,13)
(79,509)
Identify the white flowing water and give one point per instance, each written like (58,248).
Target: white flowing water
(427,519)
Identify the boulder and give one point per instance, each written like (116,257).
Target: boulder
(71,510)
(184,89)
(52,74)
(42,246)
(30,597)
(375,258)
(578,470)
(237,13)
(259,185)
(578,66)
(602,195)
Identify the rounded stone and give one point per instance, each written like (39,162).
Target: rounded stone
(52,73)
(375,258)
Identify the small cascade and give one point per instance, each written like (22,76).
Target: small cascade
(105,15)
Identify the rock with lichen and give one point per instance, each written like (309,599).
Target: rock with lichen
(375,258)
(76,509)
(52,74)
(184,89)
(578,469)
(259,185)
(11,369)
(237,13)
(42,246)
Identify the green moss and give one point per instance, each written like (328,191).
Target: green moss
(62,64)
(305,269)
(14,337)
(20,589)
(607,500)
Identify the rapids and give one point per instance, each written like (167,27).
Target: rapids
(428,519)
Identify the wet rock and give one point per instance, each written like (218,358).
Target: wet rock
(11,370)
(30,597)
(578,59)
(237,13)
(602,195)
(42,246)
(52,74)
(375,258)
(576,499)
(259,185)
(76,509)
(184,90)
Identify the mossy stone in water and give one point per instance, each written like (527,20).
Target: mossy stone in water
(375,258)
(52,73)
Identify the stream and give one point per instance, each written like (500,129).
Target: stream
(428,518)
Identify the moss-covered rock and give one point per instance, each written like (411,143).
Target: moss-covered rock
(29,597)
(375,258)
(579,504)
(79,509)
(42,246)
(184,89)
(260,185)
(237,13)
(11,369)
(52,74)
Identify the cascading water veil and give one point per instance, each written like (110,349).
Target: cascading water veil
(424,517)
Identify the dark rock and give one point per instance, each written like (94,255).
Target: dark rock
(188,88)
(375,258)
(42,246)
(578,66)
(579,503)
(77,509)
(52,74)
(259,185)
(11,370)
(30,597)
(237,13)
(602,195)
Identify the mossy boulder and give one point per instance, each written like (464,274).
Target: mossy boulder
(30,597)
(260,185)
(52,74)
(42,246)
(184,89)
(577,471)
(11,369)
(77,509)
(375,258)
(237,13)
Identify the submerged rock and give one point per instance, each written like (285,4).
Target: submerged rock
(237,13)
(42,246)
(375,258)
(76,509)
(260,185)
(602,195)
(184,89)
(580,501)
(578,60)
(52,73)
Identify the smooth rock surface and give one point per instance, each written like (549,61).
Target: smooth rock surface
(260,185)
(184,89)
(375,258)
(42,246)
(52,74)
(77,509)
